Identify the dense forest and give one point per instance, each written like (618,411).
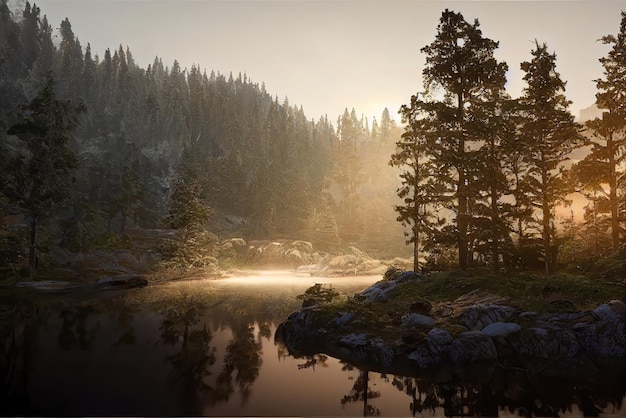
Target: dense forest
(94,149)
(160,147)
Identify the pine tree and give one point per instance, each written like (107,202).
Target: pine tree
(492,124)
(608,133)
(41,176)
(420,190)
(187,208)
(549,134)
(460,63)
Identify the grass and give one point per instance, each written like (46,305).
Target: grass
(457,289)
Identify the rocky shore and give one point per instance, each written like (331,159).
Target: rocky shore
(447,341)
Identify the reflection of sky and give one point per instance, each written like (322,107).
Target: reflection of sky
(134,378)
(329,55)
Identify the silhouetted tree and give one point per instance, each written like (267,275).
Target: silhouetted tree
(461,63)
(549,134)
(604,164)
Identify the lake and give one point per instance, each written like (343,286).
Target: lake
(206,348)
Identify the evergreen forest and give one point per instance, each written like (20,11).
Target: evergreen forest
(98,153)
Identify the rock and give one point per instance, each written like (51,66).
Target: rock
(439,339)
(408,276)
(42,284)
(424,357)
(354,340)
(125,281)
(476,317)
(604,338)
(52,286)
(436,349)
(343,319)
(375,295)
(501,329)
(377,292)
(472,346)
(549,341)
(416,320)
(614,309)
(368,348)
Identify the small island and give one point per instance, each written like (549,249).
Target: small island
(468,326)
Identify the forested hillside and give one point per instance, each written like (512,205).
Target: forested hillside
(142,141)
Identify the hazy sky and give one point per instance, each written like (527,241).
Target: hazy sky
(329,55)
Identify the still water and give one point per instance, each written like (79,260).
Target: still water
(199,348)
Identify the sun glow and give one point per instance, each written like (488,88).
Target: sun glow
(291,277)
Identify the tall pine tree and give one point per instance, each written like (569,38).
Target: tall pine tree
(550,135)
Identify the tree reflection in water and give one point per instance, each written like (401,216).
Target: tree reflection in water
(190,365)
(242,361)
(361,392)
(20,322)
(75,333)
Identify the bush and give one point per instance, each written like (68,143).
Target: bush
(393,272)
(318,294)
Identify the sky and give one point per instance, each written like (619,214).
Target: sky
(326,55)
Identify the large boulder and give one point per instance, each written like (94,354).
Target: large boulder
(472,347)
(477,317)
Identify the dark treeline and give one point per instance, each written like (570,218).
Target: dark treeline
(484,173)
(142,141)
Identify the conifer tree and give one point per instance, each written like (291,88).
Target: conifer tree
(40,177)
(420,191)
(460,64)
(604,164)
(549,133)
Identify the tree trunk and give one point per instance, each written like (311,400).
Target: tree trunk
(495,213)
(462,216)
(32,252)
(613,194)
(416,253)
(545,222)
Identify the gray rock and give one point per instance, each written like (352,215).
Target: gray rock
(354,340)
(408,276)
(476,317)
(417,320)
(604,338)
(550,341)
(425,357)
(375,295)
(614,310)
(501,329)
(122,281)
(439,339)
(377,292)
(472,346)
(343,319)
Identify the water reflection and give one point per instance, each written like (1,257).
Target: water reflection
(75,333)
(190,364)
(242,361)
(361,392)
(206,349)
